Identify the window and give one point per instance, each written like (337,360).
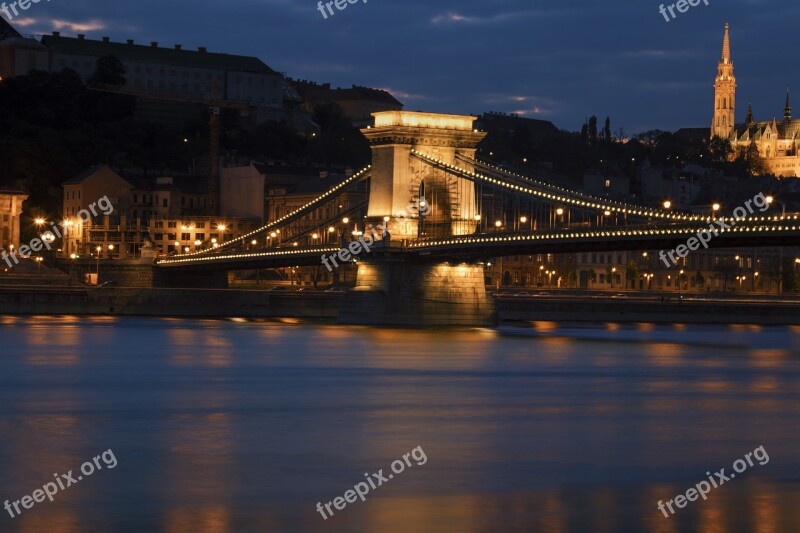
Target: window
(172,224)
(186,236)
(200,225)
(172,236)
(165,202)
(200,236)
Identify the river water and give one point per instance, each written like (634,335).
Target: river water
(219,426)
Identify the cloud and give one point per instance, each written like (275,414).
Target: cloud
(523,105)
(45,25)
(453,17)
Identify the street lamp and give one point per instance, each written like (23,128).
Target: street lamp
(98,250)
(667,204)
(715,207)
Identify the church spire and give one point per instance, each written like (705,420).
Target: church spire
(724,92)
(726,45)
(750,120)
(787,111)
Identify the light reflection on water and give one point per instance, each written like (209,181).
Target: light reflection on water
(233,426)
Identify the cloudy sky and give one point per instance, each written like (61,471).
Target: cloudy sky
(557,60)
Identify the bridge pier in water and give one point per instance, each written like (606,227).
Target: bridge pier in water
(403,293)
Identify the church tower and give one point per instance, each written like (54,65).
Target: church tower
(724,92)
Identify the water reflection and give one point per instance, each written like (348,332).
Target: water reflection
(558,428)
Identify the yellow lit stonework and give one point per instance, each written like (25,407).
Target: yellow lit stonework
(416,119)
(775,140)
(397,177)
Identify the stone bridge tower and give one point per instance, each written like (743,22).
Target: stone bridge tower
(398,178)
(392,289)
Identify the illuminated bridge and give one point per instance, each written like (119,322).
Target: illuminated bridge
(446,212)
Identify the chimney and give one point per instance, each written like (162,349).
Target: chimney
(178,47)
(154,44)
(202,50)
(56,34)
(81,36)
(130,42)
(106,39)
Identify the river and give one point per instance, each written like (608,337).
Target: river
(233,425)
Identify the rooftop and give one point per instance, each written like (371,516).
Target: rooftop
(152,53)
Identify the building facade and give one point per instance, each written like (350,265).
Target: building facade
(171,212)
(10,211)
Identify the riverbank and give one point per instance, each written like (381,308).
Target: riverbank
(320,305)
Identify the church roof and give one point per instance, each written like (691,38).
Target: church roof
(785,129)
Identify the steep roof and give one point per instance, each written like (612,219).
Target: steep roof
(786,130)
(7,30)
(83,175)
(151,54)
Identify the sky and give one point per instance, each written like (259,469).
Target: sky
(559,60)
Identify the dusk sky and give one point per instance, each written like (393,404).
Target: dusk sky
(559,61)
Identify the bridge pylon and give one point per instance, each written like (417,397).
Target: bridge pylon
(394,290)
(397,178)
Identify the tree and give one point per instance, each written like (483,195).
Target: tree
(607,130)
(572,278)
(700,280)
(593,129)
(726,270)
(632,273)
(720,150)
(109,71)
(610,274)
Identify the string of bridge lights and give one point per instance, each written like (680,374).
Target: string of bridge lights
(627,209)
(592,203)
(357,176)
(572,235)
(313,251)
(493,168)
(668,214)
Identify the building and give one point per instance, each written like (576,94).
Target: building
(776,141)
(714,270)
(10,211)
(358,103)
(20,54)
(242,192)
(171,211)
(172,84)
